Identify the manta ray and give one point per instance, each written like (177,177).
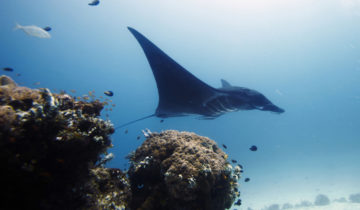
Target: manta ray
(181,93)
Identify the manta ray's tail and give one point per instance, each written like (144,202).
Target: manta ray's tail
(134,121)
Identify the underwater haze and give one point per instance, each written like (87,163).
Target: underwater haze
(303,55)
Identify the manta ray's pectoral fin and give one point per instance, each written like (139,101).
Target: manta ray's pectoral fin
(180,92)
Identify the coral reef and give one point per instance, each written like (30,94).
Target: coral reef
(321,200)
(48,144)
(273,207)
(107,188)
(354,198)
(181,170)
(53,149)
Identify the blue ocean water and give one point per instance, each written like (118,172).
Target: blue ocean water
(304,55)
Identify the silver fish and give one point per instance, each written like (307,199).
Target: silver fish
(33,30)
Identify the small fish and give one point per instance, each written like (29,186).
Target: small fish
(161,121)
(36,83)
(240,165)
(137,138)
(126,131)
(73,91)
(109,93)
(253,148)
(18,74)
(233,161)
(238,202)
(47,28)
(247,179)
(33,30)
(8,69)
(106,159)
(147,133)
(113,105)
(225,147)
(94,3)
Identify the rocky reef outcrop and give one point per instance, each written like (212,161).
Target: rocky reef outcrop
(49,145)
(181,170)
(53,149)
(107,188)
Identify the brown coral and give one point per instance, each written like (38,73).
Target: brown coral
(181,170)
